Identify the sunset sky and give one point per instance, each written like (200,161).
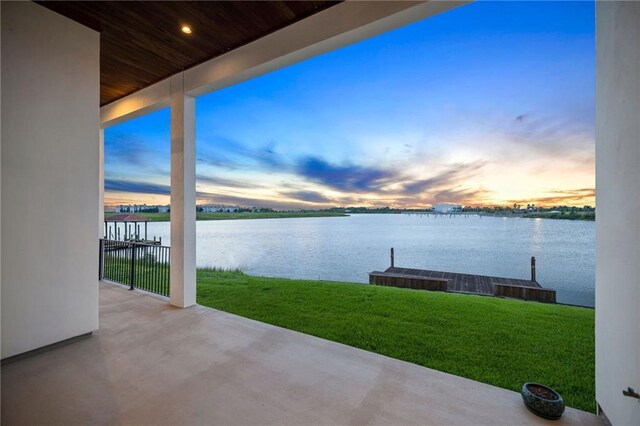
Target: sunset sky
(488,104)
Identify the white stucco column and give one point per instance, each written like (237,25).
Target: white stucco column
(183,196)
(101,184)
(618,199)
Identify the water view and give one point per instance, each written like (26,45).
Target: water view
(500,152)
(348,248)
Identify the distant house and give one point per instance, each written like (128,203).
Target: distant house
(142,208)
(447,208)
(207,208)
(135,208)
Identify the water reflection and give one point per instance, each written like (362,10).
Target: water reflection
(348,248)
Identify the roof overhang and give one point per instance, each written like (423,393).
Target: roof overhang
(143,42)
(337,26)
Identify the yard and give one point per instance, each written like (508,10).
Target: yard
(497,341)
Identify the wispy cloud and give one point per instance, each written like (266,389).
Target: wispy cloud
(274,203)
(232,154)
(549,136)
(562,197)
(129,150)
(345,177)
(308,196)
(230,183)
(459,196)
(136,187)
(452,175)
(218,161)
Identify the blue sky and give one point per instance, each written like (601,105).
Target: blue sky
(491,103)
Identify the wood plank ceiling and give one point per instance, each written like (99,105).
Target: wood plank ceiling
(142,43)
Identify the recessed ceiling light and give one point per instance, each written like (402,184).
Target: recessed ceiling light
(186,29)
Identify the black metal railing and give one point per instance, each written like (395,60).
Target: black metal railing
(138,265)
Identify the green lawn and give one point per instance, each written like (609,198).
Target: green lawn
(164,217)
(498,341)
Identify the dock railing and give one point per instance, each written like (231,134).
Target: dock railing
(137,265)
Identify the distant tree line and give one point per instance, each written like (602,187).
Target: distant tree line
(529,208)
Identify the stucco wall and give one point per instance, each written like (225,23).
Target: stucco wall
(618,204)
(50,121)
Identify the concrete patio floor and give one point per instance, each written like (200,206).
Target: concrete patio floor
(151,363)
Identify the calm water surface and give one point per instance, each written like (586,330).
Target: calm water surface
(348,248)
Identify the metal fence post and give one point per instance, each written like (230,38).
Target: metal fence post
(133,266)
(100,259)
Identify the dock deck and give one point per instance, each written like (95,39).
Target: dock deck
(463,283)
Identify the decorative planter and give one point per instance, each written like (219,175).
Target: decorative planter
(542,400)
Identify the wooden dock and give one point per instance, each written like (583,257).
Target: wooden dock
(422,279)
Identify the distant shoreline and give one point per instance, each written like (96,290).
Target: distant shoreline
(165,217)
(589,216)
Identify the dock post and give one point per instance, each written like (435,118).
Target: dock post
(392,257)
(533,269)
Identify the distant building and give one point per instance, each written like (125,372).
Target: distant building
(142,208)
(135,208)
(447,208)
(207,208)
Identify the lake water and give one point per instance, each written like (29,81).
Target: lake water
(348,248)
